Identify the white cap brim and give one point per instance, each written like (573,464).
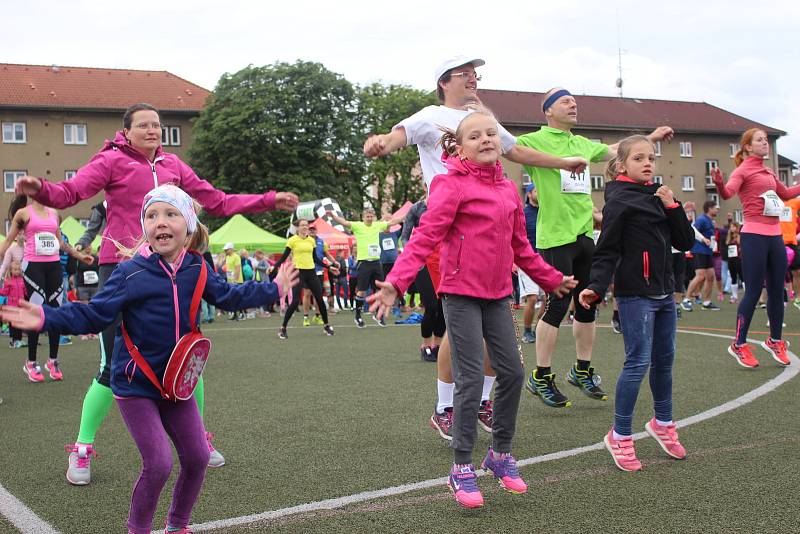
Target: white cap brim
(457,61)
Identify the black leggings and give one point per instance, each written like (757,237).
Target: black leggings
(735,270)
(763,258)
(571,259)
(106,336)
(433,321)
(44,285)
(351,294)
(309,280)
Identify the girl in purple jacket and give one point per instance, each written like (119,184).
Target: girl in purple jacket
(153,292)
(476,214)
(125,169)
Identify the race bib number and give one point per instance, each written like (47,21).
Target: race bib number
(387,243)
(46,244)
(575,183)
(773,205)
(374,250)
(733,251)
(90,278)
(714,245)
(786,214)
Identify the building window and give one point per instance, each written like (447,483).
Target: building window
(14,132)
(658,179)
(598,182)
(68,175)
(597,140)
(711,164)
(74,134)
(10,179)
(733,148)
(784,175)
(657,146)
(713,197)
(738,216)
(688,183)
(686,149)
(171,136)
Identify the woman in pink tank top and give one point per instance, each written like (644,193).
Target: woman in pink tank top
(41,267)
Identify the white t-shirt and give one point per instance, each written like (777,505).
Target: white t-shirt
(422,129)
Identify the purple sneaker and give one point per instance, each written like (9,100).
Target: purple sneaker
(504,468)
(462,482)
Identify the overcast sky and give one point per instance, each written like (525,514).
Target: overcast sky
(741,56)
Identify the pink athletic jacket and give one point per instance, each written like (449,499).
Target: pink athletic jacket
(126,176)
(14,289)
(477,215)
(750,180)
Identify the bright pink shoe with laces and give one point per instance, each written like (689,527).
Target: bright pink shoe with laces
(777,349)
(462,482)
(622,452)
(667,437)
(54,368)
(504,468)
(33,372)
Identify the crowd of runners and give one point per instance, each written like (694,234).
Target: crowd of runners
(466,248)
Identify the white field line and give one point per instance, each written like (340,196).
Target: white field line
(21,516)
(339,502)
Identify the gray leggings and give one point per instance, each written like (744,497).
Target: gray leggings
(470,322)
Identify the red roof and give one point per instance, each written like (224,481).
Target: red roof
(522,109)
(96,88)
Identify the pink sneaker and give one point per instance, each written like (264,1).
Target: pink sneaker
(215,458)
(462,482)
(622,452)
(504,468)
(33,372)
(667,437)
(54,368)
(79,466)
(777,349)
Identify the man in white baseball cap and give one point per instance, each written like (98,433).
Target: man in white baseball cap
(457,89)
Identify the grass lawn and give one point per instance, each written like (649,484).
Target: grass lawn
(315,418)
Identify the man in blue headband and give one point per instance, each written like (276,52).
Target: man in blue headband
(564,239)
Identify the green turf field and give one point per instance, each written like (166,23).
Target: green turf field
(316,418)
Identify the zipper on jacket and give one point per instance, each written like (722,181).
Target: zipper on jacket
(458,257)
(173,279)
(646,267)
(155,176)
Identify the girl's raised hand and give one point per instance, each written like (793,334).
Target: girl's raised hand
(28,185)
(568,283)
(587,298)
(384,299)
(286,201)
(573,164)
(26,316)
(666,195)
(88,259)
(716,176)
(288,276)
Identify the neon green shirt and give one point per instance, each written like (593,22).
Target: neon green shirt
(231,262)
(562,216)
(369,246)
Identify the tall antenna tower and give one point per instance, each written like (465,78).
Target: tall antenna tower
(619,60)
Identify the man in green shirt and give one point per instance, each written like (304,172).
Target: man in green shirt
(368,253)
(564,239)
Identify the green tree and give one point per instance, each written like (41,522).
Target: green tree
(397,175)
(287,127)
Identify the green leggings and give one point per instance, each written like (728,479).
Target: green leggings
(97,403)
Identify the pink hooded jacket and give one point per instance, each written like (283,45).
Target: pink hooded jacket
(126,176)
(477,215)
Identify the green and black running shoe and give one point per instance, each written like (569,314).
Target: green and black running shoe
(545,388)
(587,382)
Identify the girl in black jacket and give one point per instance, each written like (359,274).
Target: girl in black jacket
(642,221)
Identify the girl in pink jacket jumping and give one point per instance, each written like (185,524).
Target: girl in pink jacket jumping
(477,215)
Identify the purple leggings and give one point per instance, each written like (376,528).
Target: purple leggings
(152,423)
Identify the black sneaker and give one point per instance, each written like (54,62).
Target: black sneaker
(359,321)
(380,321)
(587,382)
(282,333)
(615,326)
(710,307)
(427,354)
(328,330)
(545,388)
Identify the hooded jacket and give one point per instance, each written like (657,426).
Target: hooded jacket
(154,303)
(477,215)
(126,175)
(635,244)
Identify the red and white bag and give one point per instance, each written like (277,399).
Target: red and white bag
(188,358)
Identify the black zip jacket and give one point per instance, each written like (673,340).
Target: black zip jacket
(636,241)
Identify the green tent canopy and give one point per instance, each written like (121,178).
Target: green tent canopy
(244,234)
(74,230)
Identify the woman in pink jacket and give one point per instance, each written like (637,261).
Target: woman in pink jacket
(763,252)
(477,215)
(126,169)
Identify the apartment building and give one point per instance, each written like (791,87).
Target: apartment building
(706,137)
(54,119)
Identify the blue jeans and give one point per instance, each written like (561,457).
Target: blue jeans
(648,329)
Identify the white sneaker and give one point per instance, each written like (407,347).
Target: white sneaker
(215,459)
(79,470)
